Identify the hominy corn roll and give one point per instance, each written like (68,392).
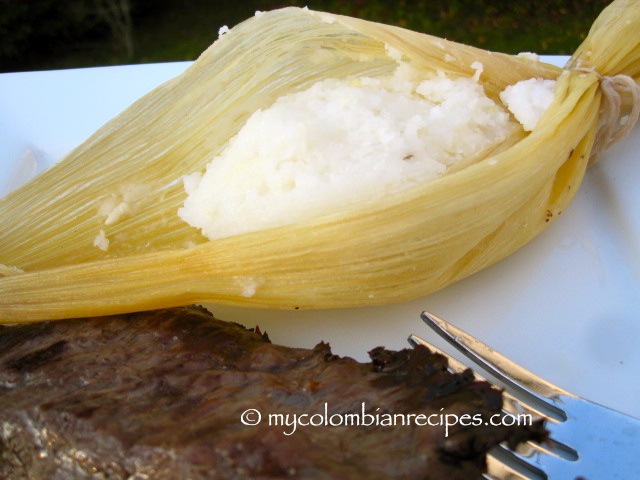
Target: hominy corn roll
(308,160)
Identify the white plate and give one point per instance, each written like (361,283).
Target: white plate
(566,306)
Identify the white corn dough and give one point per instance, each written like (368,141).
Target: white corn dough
(314,151)
(528,100)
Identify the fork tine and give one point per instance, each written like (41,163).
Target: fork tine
(502,462)
(454,364)
(527,387)
(511,404)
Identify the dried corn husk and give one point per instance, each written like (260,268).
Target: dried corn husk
(376,251)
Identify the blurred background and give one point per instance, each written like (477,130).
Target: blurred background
(54,34)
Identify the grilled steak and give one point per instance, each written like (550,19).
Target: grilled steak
(170,394)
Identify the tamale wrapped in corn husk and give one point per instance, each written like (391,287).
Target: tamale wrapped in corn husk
(375,250)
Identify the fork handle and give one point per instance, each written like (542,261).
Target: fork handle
(607,442)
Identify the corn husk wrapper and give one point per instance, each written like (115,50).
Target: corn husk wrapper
(375,251)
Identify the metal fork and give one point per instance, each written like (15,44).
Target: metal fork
(586,440)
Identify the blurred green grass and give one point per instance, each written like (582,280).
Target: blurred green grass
(57,35)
